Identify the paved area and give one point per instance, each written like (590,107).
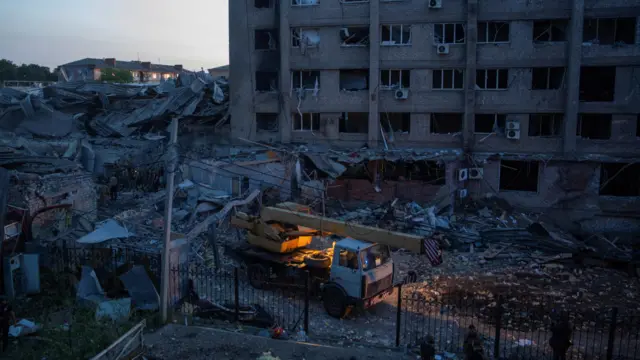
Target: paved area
(192,342)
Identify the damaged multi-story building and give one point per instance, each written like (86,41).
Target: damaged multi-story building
(536,102)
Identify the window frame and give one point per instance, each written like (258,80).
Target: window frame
(402,28)
(293,3)
(400,84)
(548,82)
(444,31)
(498,118)
(553,117)
(486,80)
(314,118)
(442,77)
(301,80)
(487,28)
(296,37)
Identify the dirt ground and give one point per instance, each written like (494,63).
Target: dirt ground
(192,342)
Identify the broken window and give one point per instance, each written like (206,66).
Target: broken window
(620,179)
(354,122)
(354,80)
(263,4)
(306,121)
(395,122)
(307,80)
(610,31)
(266,39)
(594,126)
(267,122)
(304,2)
(448,33)
(545,124)
(266,81)
(493,32)
(492,79)
(519,175)
(395,79)
(597,83)
(489,123)
(446,123)
(354,36)
(427,171)
(448,79)
(239,185)
(301,37)
(396,35)
(547,78)
(550,30)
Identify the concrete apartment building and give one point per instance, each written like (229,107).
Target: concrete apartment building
(537,101)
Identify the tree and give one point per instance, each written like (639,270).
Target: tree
(116,75)
(31,72)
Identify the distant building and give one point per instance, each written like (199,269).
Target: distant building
(220,71)
(142,71)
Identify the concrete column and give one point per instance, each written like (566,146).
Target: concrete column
(241,72)
(374,73)
(284,98)
(471,38)
(574,61)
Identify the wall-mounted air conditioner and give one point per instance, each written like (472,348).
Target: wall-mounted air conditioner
(435,4)
(513,134)
(463,174)
(402,94)
(442,49)
(476,173)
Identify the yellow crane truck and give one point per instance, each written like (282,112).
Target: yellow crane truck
(356,271)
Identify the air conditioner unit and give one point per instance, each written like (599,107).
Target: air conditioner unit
(513,134)
(512,125)
(463,174)
(462,193)
(476,173)
(435,4)
(402,94)
(442,49)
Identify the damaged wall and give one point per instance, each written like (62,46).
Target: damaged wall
(34,192)
(241,176)
(565,186)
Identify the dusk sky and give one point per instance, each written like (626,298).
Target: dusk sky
(194,33)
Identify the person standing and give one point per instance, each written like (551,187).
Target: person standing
(560,340)
(470,342)
(113,187)
(428,349)
(7,317)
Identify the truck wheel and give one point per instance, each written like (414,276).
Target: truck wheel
(258,276)
(335,302)
(319,261)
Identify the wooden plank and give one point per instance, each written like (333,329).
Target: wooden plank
(347,229)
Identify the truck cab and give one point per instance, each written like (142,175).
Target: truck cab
(361,275)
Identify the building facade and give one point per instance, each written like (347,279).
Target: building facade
(546,88)
(141,71)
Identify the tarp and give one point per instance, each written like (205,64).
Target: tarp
(108,230)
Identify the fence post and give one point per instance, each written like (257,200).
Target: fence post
(496,344)
(398,315)
(236,290)
(306,302)
(612,332)
(64,255)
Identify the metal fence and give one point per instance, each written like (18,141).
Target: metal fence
(511,328)
(516,327)
(229,295)
(109,263)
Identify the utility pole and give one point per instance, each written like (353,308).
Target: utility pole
(172,162)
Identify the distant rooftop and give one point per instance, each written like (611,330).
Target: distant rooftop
(220,68)
(127,65)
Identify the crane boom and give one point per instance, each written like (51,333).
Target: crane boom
(342,228)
